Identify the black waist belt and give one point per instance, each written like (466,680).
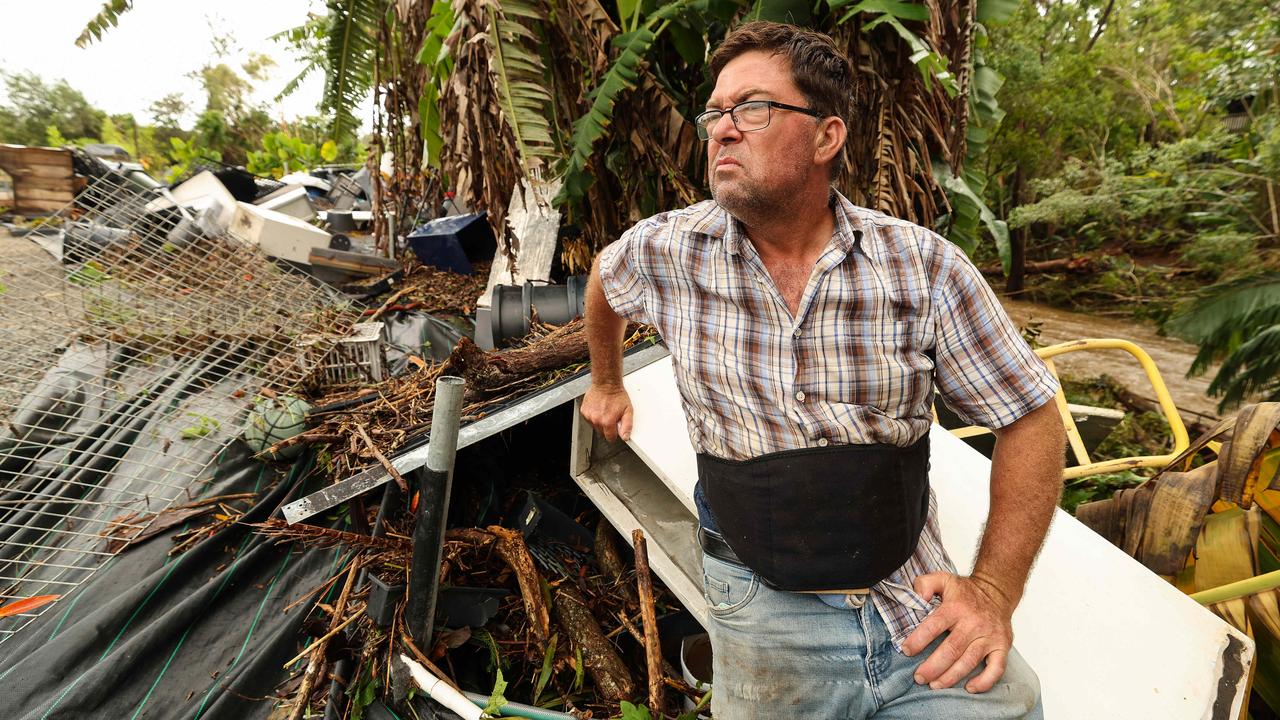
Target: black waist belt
(845,516)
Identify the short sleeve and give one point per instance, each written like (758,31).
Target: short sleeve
(985,371)
(622,276)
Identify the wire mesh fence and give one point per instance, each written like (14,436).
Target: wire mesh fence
(131,363)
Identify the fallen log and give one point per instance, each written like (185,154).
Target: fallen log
(1081,265)
(608,671)
(488,372)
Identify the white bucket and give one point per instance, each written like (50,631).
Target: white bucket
(695,664)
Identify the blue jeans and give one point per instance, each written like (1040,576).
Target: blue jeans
(780,655)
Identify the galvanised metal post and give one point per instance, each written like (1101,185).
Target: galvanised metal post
(434,482)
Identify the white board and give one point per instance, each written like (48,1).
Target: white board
(1108,638)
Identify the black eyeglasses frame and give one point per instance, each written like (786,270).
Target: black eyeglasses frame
(704,130)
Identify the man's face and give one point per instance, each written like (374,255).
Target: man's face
(757,172)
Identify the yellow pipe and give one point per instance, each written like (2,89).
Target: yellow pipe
(1238,589)
(1181,441)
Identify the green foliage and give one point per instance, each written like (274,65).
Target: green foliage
(168,110)
(366,691)
(33,105)
(1092,488)
(90,274)
(892,13)
(185,153)
(496,698)
(635,712)
(1238,323)
(548,663)
(352,48)
(1138,433)
(1212,253)
(435,56)
(518,77)
(53,137)
(202,427)
(309,41)
(106,18)
(621,76)
(787,11)
(282,154)
(969,209)
(1156,197)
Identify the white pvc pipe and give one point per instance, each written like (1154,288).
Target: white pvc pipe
(441,691)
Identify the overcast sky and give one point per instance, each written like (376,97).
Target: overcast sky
(155,46)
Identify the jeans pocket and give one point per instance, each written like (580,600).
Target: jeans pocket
(726,587)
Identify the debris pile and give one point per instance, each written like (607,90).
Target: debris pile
(190,310)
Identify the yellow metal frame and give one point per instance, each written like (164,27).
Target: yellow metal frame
(1085,466)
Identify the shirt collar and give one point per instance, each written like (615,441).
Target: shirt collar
(849,235)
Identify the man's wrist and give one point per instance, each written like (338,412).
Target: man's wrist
(999,590)
(608,385)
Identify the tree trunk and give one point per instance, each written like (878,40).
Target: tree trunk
(1016,282)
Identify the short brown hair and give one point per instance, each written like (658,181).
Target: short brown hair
(818,68)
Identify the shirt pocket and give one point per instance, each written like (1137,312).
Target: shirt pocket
(882,365)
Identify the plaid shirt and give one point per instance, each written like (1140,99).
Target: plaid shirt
(890,309)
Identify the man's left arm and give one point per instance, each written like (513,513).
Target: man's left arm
(977,611)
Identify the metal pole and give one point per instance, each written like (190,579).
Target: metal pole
(433,509)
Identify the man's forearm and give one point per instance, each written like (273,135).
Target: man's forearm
(604,335)
(1026,480)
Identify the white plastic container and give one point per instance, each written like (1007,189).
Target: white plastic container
(279,235)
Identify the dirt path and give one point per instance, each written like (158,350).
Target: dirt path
(1172,356)
(34,316)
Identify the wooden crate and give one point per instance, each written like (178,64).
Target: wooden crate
(43,179)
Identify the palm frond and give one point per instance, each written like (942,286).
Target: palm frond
(594,125)
(1224,305)
(1254,368)
(106,18)
(308,39)
(292,86)
(351,55)
(518,77)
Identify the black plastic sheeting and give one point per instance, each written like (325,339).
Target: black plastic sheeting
(200,635)
(420,334)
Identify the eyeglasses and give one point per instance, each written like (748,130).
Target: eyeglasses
(747,116)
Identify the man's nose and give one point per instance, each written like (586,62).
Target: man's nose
(725,131)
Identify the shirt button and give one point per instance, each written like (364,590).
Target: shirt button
(800,396)
(823,442)
(796,333)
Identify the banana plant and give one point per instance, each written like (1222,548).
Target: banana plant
(518,77)
(622,75)
(892,13)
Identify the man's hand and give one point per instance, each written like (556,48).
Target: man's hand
(609,411)
(977,614)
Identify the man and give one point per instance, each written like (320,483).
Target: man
(807,335)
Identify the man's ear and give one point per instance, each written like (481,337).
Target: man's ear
(829,139)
